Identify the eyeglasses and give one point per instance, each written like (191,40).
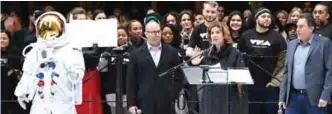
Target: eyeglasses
(154,32)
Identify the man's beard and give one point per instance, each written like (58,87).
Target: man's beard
(206,19)
(319,22)
(263,26)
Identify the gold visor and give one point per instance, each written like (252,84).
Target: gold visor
(50,27)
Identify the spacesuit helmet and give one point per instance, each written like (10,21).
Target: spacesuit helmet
(50,27)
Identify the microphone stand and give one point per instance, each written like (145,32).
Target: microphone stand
(118,53)
(185,62)
(171,70)
(248,57)
(119,56)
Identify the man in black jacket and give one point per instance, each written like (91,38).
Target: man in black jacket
(146,90)
(266,52)
(321,15)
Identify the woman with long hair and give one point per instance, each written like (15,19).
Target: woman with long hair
(294,15)
(10,73)
(171,18)
(282,16)
(277,26)
(236,25)
(170,35)
(187,23)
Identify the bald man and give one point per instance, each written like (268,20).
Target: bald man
(148,92)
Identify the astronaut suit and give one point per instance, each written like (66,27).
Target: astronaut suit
(52,71)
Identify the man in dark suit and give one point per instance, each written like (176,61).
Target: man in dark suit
(307,82)
(146,90)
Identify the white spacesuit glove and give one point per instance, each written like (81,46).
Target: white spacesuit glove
(22,100)
(23,89)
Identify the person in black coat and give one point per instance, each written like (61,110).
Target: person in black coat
(147,91)
(214,96)
(11,73)
(135,33)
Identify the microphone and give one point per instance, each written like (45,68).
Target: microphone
(210,50)
(107,55)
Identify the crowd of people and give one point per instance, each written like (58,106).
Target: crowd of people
(288,56)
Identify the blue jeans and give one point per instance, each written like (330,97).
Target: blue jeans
(299,104)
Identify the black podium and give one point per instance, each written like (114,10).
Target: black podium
(215,75)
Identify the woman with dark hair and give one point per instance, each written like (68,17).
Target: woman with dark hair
(99,14)
(290,30)
(171,36)
(10,51)
(282,16)
(171,18)
(187,22)
(122,36)
(236,25)
(277,26)
(223,53)
(135,30)
(5,40)
(10,74)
